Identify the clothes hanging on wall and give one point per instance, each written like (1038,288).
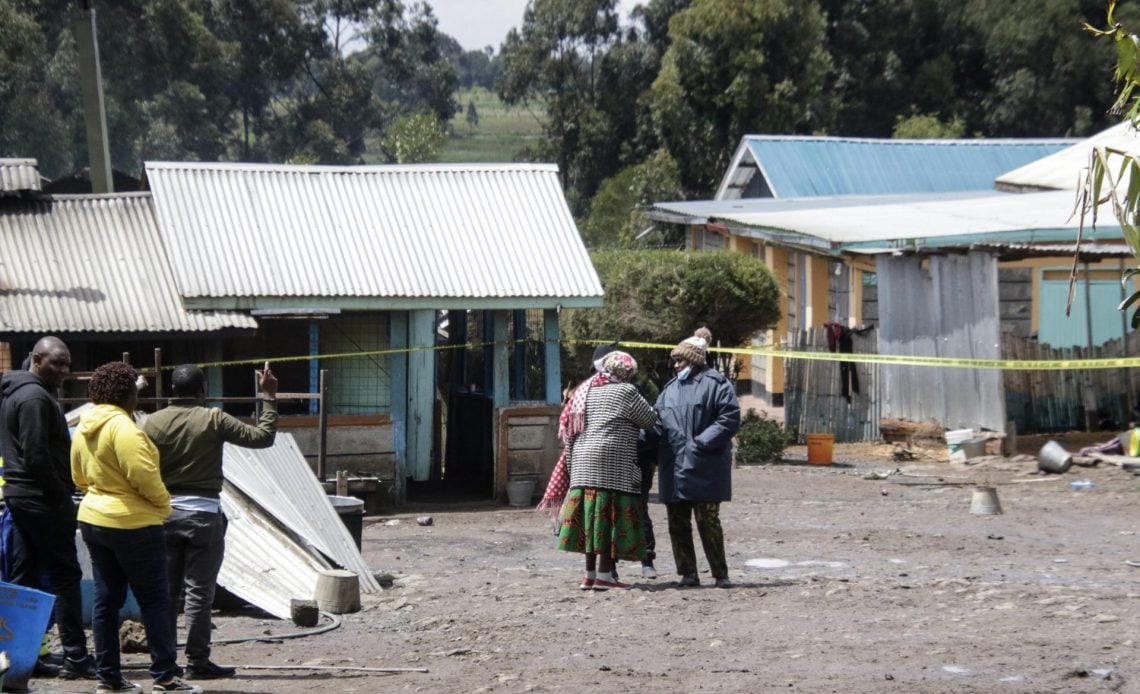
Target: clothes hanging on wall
(839,340)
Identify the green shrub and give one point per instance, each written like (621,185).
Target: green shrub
(760,440)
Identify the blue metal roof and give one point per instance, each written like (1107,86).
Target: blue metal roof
(811,166)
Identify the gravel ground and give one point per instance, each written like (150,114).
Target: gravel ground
(842,584)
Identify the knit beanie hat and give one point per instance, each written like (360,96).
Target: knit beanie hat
(693,349)
(620,365)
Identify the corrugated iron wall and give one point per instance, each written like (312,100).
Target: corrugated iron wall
(813,399)
(946,308)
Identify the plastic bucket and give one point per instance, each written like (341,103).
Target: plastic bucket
(985,502)
(520,492)
(819,448)
(25,613)
(1054,458)
(974,448)
(954,441)
(351,512)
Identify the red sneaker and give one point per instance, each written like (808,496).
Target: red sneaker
(586,584)
(602,584)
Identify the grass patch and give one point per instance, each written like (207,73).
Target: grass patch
(501,133)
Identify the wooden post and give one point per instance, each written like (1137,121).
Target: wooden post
(552,356)
(158,402)
(322,426)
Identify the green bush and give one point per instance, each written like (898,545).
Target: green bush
(760,440)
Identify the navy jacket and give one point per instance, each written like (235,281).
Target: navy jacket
(34,440)
(699,417)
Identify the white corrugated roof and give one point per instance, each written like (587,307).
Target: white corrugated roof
(18,175)
(263,564)
(92,263)
(462,236)
(282,483)
(1026,217)
(1066,169)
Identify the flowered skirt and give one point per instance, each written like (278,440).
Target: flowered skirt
(600,521)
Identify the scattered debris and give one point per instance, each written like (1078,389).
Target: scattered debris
(132,637)
(304,613)
(424,520)
(902,454)
(880,474)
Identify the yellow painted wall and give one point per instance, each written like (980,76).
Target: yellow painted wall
(776,259)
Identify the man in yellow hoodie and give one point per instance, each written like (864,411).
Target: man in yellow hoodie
(121,515)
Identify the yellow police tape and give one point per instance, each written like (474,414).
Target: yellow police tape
(903,360)
(777,352)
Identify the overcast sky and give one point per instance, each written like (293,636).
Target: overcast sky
(478,23)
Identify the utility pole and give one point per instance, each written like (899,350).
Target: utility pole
(94,110)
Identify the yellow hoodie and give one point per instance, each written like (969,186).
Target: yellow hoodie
(116,465)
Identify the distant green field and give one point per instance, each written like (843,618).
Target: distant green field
(502,130)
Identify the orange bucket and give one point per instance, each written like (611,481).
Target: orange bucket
(819,448)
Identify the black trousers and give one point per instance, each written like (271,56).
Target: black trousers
(46,530)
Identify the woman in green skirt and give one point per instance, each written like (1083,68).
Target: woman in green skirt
(599,427)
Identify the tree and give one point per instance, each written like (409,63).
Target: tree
(926,126)
(736,67)
(1109,170)
(472,114)
(616,212)
(663,296)
(1038,66)
(555,59)
(414,139)
(33,123)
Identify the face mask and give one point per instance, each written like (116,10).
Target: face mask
(684,373)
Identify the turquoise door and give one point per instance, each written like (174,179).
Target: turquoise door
(1058,330)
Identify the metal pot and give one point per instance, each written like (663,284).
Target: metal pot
(1054,458)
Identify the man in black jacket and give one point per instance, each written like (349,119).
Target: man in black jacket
(36,447)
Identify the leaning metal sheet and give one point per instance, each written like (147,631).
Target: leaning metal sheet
(263,564)
(281,482)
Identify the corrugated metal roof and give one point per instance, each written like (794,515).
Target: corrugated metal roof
(1065,170)
(263,564)
(899,221)
(804,166)
(281,482)
(92,263)
(460,235)
(17,175)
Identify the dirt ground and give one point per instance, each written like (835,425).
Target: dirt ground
(842,584)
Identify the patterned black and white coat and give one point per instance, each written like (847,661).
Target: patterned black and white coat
(604,454)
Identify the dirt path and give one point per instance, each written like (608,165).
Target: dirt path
(843,584)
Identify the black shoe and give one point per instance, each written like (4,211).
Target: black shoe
(208,670)
(53,658)
(689,581)
(45,668)
(723,582)
(78,669)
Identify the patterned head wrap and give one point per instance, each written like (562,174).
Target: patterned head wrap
(620,365)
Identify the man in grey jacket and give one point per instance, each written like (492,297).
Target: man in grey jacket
(699,415)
